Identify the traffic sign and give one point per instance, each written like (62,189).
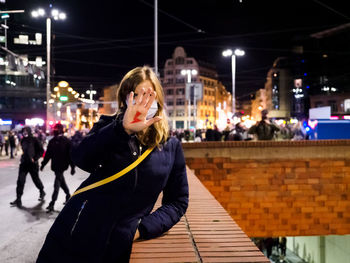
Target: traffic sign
(194,91)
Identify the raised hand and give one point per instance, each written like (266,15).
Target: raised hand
(136,112)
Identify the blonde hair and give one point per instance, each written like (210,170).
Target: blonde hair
(158,132)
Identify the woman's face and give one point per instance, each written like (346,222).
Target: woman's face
(146,84)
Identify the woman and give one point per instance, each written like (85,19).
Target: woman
(99,225)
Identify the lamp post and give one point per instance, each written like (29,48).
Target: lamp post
(190,73)
(228,53)
(56,15)
(91,92)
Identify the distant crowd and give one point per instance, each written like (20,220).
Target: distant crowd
(10,140)
(259,131)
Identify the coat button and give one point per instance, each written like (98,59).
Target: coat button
(134,153)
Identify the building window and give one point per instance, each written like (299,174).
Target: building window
(180,113)
(169,72)
(179,60)
(189,61)
(179,124)
(169,92)
(170,63)
(180,91)
(170,81)
(178,72)
(170,102)
(180,102)
(180,80)
(170,113)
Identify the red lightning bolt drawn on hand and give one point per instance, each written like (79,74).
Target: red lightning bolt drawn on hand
(136,117)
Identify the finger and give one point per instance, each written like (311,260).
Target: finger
(131,98)
(140,96)
(153,120)
(145,98)
(152,97)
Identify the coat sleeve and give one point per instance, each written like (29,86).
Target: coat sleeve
(39,150)
(174,202)
(104,135)
(48,154)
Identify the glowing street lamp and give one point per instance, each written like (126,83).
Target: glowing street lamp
(57,15)
(233,54)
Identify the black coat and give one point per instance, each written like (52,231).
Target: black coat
(99,225)
(32,150)
(58,150)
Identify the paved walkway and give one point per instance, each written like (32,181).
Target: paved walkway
(205,234)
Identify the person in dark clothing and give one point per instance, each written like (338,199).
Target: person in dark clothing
(283,246)
(210,135)
(58,151)
(264,130)
(12,142)
(2,141)
(76,138)
(217,134)
(7,143)
(100,224)
(269,242)
(32,151)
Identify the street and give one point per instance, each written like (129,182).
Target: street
(22,231)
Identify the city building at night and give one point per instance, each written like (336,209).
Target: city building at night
(22,88)
(214,106)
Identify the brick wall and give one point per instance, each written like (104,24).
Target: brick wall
(278,188)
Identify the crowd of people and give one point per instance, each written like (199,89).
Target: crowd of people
(34,144)
(10,141)
(262,130)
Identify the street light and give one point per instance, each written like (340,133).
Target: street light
(57,15)
(228,53)
(189,73)
(91,92)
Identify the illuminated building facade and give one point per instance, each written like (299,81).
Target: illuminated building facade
(213,108)
(22,89)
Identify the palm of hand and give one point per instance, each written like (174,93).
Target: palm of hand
(135,115)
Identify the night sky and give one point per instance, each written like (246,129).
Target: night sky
(101,40)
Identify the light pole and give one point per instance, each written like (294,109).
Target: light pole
(228,53)
(190,73)
(91,92)
(156,37)
(56,15)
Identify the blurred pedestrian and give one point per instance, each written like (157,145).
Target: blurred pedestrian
(217,134)
(7,143)
(283,246)
(76,138)
(12,143)
(2,142)
(100,224)
(269,243)
(264,129)
(59,152)
(32,151)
